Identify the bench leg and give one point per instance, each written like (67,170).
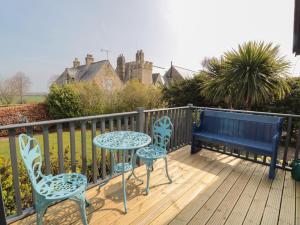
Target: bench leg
(194,148)
(272,168)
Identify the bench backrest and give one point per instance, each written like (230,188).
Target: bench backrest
(249,126)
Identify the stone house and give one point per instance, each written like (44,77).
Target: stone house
(101,72)
(106,77)
(139,69)
(176,73)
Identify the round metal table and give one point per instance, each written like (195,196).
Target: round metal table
(123,142)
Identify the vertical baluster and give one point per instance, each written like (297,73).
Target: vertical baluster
(119,123)
(175,129)
(46,149)
(83,147)
(103,153)
(151,125)
(111,128)
(297,144)
(72,146)
(60,148)
(146,123)
(132,123)
(15,170)
(94,153)
(126,123)
(287,142)
(29,131)
(181,127)
(173,133)
(184,119)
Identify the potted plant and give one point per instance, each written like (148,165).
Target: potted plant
(296,169)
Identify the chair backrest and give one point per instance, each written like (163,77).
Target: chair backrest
(243,125)
(162,132)
(32,158)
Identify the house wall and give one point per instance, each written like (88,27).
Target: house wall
(108,79)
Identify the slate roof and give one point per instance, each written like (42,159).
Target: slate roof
(83,72)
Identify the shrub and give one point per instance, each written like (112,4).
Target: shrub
(64,102)
(136,94)
(186,91)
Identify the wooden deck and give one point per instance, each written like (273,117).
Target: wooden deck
(208,188)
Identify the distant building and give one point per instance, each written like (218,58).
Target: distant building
(101,72)
(157,79)
(139,69)
(106,77)
(176,73)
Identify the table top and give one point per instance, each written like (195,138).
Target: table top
(122,140)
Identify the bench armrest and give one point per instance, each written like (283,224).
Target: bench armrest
(275,142)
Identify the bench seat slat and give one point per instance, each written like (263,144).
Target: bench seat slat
(263,148)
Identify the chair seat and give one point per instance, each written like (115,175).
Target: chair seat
(119,167)
(151,152)
(62,186)
(260,147)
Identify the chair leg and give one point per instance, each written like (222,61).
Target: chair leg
(82,203)
(167,172)
(148,179)
(40,211)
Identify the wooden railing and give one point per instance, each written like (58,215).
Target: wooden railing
(76,134)
(90,161)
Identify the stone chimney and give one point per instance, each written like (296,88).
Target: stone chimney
(89,59)
(121,67)
(139,56)
(76,63)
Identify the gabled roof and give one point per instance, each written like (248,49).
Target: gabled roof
(156,78)
(83,72)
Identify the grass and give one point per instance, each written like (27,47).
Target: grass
(4,144)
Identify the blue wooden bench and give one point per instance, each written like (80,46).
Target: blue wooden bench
(254,133)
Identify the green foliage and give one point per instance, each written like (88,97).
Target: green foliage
(251,75)
(87,98)
(64,102)
(290,103)
(136,94)
(186,91)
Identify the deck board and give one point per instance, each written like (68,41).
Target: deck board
(287,212)
(207,188)
(240,210)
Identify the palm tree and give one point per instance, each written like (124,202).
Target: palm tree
(252,75)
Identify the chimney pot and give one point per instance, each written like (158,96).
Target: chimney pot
(89,59)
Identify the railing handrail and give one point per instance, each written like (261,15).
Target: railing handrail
(67,120)
(164,109)
(249,111)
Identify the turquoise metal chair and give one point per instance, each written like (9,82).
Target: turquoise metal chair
(50,189)
(162,132)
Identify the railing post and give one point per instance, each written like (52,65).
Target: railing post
(189,117)
(2,209)
(140,125)
(141,119)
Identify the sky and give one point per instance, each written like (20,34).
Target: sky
(41,38)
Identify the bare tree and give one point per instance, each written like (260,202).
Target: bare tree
(22,84)
(7,91)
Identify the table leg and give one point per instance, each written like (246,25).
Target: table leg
(124,183)
(133,163)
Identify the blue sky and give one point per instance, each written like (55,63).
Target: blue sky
(41,38)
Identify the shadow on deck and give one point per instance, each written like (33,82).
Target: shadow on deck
(208,188)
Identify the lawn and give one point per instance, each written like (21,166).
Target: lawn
(4,144)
